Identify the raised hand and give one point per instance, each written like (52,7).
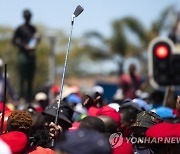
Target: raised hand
(89,101)
(55,130)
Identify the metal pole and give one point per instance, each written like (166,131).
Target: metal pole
(79,9)
(166,95)
(62,81)
(63,75)
(4,98)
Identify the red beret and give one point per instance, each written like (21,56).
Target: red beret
(6,115)
(92,111)
(17,141)
(110,112)
(106,111)
(164,130)
(1,107)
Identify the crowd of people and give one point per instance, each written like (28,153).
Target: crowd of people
(89,125)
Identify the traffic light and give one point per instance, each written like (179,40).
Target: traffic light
(176,69)
(164,65)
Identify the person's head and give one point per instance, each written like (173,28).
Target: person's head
(20,121)
(83,141)
(128,115)
(110,112)
(65,115)
(42,99)
(38,122)
(63,123)
(132,69)
(27,16)
(145,120)
(39,135)
(110,125)
(16,141)
(156,97)
(141,104)
(73,100)
(93,123)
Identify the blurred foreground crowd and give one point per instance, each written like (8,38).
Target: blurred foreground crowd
(88,124)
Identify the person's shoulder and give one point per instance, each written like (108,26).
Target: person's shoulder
(138,76)
(19,27)
(33,26)
(124,76)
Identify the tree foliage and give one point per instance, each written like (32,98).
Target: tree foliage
(118,42)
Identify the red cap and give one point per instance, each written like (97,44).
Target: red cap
(106,111)
(164,130)
(55,89)
(74,127)
(39,109)
(92,111)
(40,150)
(17,141)
(1,107)
(6,115)
(110,112)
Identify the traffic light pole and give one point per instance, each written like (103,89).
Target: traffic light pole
(166,95)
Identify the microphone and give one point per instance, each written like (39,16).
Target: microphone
(79,9)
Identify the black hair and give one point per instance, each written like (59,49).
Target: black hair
(157,96)
(110,125)
(27,12)
(40,138)
(94,123)
(27,15)
(130,112)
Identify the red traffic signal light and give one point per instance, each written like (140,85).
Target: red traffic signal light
(161,51)
(164,63)
(160,62)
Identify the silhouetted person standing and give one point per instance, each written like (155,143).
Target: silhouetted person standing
(130,82)
(26,38)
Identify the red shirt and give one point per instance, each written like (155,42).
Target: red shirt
(129,85)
